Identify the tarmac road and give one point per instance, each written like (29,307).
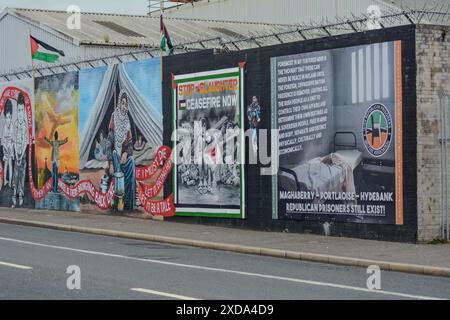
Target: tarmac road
(34,261)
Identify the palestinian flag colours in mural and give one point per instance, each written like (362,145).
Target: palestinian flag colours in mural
(44,52)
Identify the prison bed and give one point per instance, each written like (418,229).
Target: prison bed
(325,174)
(348,149)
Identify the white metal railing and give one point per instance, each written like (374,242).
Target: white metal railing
(156,6)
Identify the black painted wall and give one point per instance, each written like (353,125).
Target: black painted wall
(258,82)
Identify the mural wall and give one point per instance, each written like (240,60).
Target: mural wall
(56,122)
(17,99)
(93,139)
(120,148)
(209,177)
(86,141)
(339,113)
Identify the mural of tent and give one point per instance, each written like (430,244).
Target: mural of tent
(141,112)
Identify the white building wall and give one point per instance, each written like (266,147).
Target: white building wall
(274,11)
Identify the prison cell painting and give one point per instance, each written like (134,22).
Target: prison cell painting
(208,115)
(56,125)
(339,113)
(120,136)
(16,133)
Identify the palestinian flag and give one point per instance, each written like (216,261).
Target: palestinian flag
(44,52)
(182,105)
(165,38)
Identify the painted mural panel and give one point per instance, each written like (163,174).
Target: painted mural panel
(120,147)
(208,118)
(339,116)
(56,123)
(16,143)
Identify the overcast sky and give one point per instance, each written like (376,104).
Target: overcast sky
(110,6)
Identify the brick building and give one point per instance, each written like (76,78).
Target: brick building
(433,92)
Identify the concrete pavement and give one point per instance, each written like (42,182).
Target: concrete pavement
(420,259)
(116,268)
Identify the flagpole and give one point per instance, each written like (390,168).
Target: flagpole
(161,7)
(32,60)
(33,77)
(33,74)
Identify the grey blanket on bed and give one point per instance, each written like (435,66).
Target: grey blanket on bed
(328,174)
(320,177)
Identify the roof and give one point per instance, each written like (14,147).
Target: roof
(407,4)
(418,4)
(127,32)
(298,11)
(132,30)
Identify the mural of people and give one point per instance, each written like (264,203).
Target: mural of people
(121,150)
(140,144)
(100,148)
(121,141)
(204,185)
(254,119)
(15,143)
(56,141)
(55,144)
(120,131)
(7,144)
(209,155)
(209,111)
(21,143)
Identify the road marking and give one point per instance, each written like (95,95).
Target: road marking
(163,294)
(17,266)
(242,273)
